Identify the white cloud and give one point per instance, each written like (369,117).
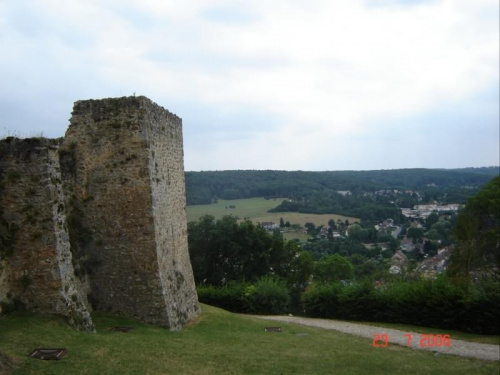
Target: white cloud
(328,70)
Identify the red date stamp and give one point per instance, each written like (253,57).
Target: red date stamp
(426,340)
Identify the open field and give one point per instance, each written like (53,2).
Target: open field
(299,218)
(256,209)
(219,342)
(252,207)
(303,237)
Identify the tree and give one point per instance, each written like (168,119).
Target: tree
(477,232)
(331,224)
(224,250)
(355,232)
(430,248)
(301,269)
(330,234)
(310,228)
(467,251)
(364,267)
(433,218)
(333,268)
(282,223)
(415,233)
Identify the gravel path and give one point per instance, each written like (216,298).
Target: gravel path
(457,347)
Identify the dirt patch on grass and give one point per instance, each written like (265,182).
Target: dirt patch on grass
(6,364)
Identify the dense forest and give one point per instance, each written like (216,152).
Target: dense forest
(203,187)
(369,195)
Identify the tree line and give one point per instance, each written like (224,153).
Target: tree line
(204,187)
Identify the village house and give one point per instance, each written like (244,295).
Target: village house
(269,225)
(344,193)
(425,210)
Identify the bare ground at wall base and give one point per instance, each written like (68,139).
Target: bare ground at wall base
(256,209)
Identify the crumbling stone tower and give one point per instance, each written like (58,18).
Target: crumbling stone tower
(122,204)
(124,160)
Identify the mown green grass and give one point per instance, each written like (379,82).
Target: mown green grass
(256,210)
(219,342)
(302,237)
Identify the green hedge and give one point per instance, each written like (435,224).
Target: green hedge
(438,303)
(231,297)
(269,296)
(266,296)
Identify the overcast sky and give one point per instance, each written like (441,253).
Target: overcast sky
(260,84)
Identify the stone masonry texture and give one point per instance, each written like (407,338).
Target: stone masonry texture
(115,196)
(38,275)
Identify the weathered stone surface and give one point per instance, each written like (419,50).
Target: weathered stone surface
(38,274)
(121,187)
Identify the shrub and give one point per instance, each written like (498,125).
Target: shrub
(322,300)
(269,296)
(482,309)
(431,303)
(356,301)
(232,297)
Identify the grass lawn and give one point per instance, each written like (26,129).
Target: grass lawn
(303,237)
(219,342)
(256,209)
(251,208)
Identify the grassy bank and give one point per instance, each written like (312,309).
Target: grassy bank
(217,343)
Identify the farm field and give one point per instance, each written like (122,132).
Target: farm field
(300,218)
(303,237)
(252,207)
(256,210)
(218,342)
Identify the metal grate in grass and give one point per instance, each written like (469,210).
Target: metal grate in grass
(122,329)
(272,329)
(48,354)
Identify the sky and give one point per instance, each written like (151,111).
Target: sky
(283,84)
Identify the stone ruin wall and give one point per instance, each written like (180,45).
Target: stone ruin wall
(122,182)
(168,192)
(38,275)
